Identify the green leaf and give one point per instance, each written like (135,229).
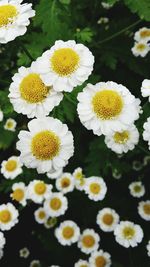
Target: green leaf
(65,2)
(111,2)
(141,7)
(84,35)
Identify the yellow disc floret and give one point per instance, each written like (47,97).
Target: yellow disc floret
(121,137)
(55,203)
(11,165)
(65,182)
(128,232)
(68,232)
(41,214)
(141,46)
(95,188)
(145,33)
(40,188)
(5,216)
(88,241)
(7,14)
(108,219)
(146,208)
(18,194)
(100,261)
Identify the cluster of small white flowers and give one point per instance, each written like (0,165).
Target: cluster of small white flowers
(141,46)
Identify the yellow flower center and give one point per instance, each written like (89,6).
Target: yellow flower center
(55,203)
(95,188)
(141,47)
(100,261)
(18,194)
(68,232)
(11,165)
(40,188)
(107,104)
(65,182)
(145,33)
(88,241)
(5,216)
(83,265)
(9,124)
(41,214)
(32,89)
(128,232)
(45,145)
(121,137)
(7,14)
(146,208)
(108,219)
(137,188)
(64,61)
(79,175)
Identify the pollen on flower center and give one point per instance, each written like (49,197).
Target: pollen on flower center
(32,88)
(45,145)
(141,47)
(11,165)
(137,188)
(88,241)
(5,216)
(55,203)
(41,215)
(146,208)
(40,188)
(128,232)
(95,188)
(65,182)
(108,219)
(121,137)
(64,61)
(100,261)
(7,14)
(145,33)
(18,194)
(107,104)
(68,232)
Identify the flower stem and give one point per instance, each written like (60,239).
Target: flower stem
(25,50)
(143,149)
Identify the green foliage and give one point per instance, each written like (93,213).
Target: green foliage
(142,8)
(84,35)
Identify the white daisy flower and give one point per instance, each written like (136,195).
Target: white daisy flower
(128,234)
(2,240)
(1,253)
(144,210)
(8,216)
(107,219)
(95,188)
(35,263)
(54,174)
(100,259)
(10,125)
(137,189)
(103,20)
(24,253)
(37,191)
(142,34)
(140,49)
(65,65)
(145,89)
(107,107)
(50,223)
(14,19)
(40,215)
(123,141)
(30,96)
(47,145)
(146,132)
(106,5)
(1,115)
(89,241)
(11,168)
(56,205)
(65,183)
(148,248)
(19,193)
(67,233)
(79,179)
(82,263)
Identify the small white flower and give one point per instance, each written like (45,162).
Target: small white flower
(82,263)
(50,222)
(140,49)
(54,174)
(10,125)
(24,253)
(2,240)
(19,193)
(146,133)
(65,183)
(137,165)
(8,216)
(67,233)
(79,179)
(14,19)
(100,259)
(128,234)
(116,174)
(148,248)
(123,141)
(145,89)
(47,145)
(40,215)
(107,219)
(56,205)
(103,20)
(144,210)
(1,115)
(95,188)
(37,191)
(89,241)
(35,263)
(142,34)
(11,168)
(137,189)
(106,5)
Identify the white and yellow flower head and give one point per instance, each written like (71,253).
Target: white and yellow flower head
(14,19)
(145,89)
(30,96)
(142,34)
(24,253)
(79,179)
(1,115)
(56,205)
(144,210)
(8,216)
(65,65)
(137,189)
(38,191)
(122,141)
(107,219)
(106,107)
(65,183)
(11,168)
(148,248)
(100,259)
(128,234)
(35,263)
(47,145)
(146,132)
(40,215)
(67,233)
(82,263)
(54,174)
(2,240)
(19,193)
(95,188)
(50,222)
(89,241)
(10,125)
(140,49)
